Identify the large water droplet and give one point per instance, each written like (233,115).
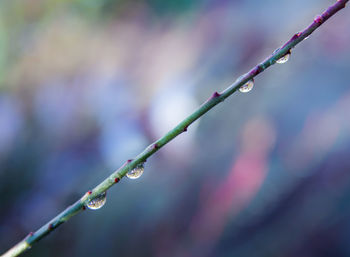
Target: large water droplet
(284,58)
(247,86)
(97,202)
(136,172)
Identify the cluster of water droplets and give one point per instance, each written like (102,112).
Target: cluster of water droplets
(97,202)
(250,84)
(136,172)
(100,200)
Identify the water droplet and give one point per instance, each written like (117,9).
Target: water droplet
(283,59)
(247,86)
(136,172)
(97,202)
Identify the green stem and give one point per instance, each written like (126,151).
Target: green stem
(216,98)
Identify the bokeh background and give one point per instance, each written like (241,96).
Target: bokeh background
(87,84)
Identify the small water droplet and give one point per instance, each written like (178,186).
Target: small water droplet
(283,59)
(247,86)
(136,172)
(97,202)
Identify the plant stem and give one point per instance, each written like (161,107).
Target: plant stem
(216,98)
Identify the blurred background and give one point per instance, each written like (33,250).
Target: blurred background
(87,84)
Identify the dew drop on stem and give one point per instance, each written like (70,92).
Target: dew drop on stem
(136,172)
(247,86)
(284,58)
(97,202)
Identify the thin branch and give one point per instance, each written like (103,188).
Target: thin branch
(215,99)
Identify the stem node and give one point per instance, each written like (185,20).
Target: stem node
(318,19)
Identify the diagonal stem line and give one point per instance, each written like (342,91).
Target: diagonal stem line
(215,99)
